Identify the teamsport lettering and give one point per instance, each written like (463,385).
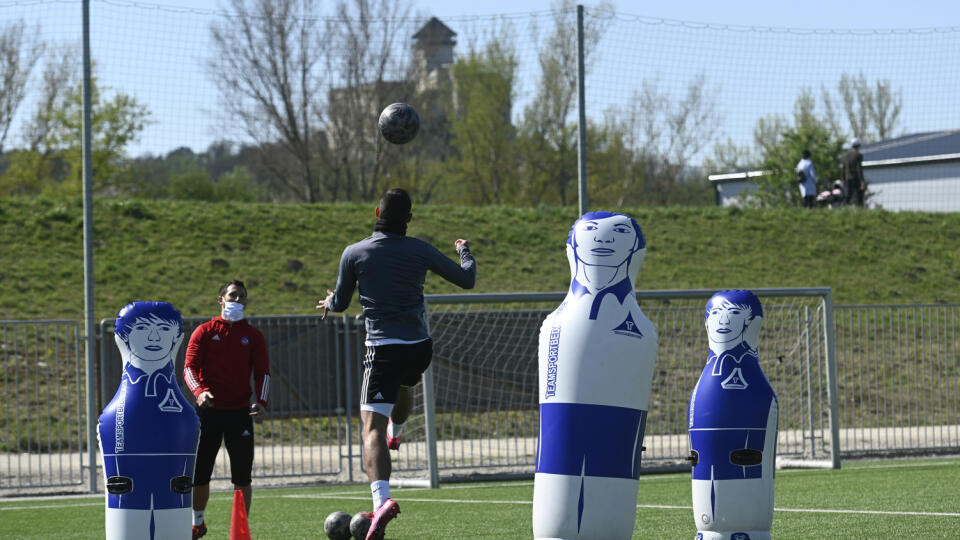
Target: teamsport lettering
(552,353)
(118,422)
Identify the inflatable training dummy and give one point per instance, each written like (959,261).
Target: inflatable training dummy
(149,431)
(596,356)
(733,426)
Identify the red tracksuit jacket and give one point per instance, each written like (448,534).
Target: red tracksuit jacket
(220,358)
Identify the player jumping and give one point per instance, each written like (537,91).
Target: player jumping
(391,268)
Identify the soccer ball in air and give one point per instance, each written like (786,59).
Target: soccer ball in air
(399,123)
(337,526)
(360,525)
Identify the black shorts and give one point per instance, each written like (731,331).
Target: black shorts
(234,427)
(388,367)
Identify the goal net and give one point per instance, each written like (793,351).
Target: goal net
(478,412)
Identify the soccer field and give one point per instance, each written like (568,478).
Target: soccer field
(871,499)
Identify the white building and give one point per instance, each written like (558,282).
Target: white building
(914,172)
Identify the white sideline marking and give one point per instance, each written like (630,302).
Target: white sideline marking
(898,465)
(352,495)
(364,497)
(33,507)
(654,506)
(875,512)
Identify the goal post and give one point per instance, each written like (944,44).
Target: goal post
(476,413)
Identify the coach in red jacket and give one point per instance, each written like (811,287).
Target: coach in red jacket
(220,357)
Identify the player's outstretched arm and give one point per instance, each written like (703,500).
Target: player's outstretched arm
(464,274)
(324,304)
(338,299)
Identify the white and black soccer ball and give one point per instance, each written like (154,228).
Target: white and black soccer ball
(360,525)
(337,526)
(399,123)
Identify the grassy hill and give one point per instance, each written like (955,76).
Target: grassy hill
(287,254)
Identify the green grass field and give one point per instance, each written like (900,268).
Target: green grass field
(902,499)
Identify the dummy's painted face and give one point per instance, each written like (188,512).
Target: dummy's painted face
(604,242)
(727,321)
(152,339)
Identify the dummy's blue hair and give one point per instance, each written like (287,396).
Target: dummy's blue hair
(603,214)
(740,297)
(150,311)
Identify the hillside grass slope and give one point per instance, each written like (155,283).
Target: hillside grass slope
(287,254)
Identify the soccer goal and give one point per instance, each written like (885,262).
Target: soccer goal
(479,400)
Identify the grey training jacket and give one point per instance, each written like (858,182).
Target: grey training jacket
(391,270)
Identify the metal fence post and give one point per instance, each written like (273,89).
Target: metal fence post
(806,332)
(581,118)
(429,417)
(829,343)
(349,383)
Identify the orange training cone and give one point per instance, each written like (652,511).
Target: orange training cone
(239,528)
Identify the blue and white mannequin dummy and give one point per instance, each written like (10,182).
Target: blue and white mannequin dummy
(149,431)
(596,357)
(733,426)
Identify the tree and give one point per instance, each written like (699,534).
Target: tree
(366,76)
(548,126)
(872,111)
(34,166)
(52,162)
(305,92)
(220,173)
(265,67)
(19,52)
(662,136)
(782,144)
(484,136)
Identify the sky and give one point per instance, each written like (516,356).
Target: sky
(877,14)
(123,53)
(794,14)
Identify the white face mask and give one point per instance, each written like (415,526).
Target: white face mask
(232,311)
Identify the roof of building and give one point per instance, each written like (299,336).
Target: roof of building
(434,31)
(916,145)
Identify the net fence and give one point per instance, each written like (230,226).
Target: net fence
(668,102)
(896,381)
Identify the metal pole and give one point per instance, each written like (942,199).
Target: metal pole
(429,416)
(348,366)
(582,122)
(806,333)
(91,338)
(829,342)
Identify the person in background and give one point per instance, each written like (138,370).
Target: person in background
(807,178)
(852,173)
(390,268)
(221,356)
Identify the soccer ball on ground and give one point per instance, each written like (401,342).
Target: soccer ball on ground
(399,123)
(337,526)
(360,525)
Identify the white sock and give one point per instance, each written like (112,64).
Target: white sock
(197,517)
(394,430)
(381,492)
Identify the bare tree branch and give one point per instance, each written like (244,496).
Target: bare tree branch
(264,66)
(19,52)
